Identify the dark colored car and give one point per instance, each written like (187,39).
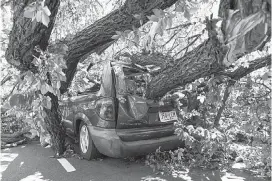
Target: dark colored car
(116,120)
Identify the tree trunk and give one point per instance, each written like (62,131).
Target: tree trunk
(54,127)
(26,34)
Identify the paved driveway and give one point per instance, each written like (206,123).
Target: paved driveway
(32,163)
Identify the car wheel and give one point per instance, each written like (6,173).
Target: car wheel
(86,145)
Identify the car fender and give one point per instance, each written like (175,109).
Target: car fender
(82,117)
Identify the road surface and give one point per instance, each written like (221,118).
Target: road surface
(32,163)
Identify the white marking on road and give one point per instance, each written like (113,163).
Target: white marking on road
(68,167)
(21,163)
(6,159)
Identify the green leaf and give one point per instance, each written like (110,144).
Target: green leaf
(119,33)
(61,76)
(30,8)
(123,38)
(180,154)
(36,61)
(115,37)
(43,114)
(169,22)
(207,134)
(179,8)
(153,18)
(141,22)
(158,13)
(58,84)
(44,88)
(156,28)
(49,88)
(164,23)
(266,76)
(187,14)
(190,129)
(39,16)
(136,39)
(126,32)
(48,102)
(29,13)
(137,16)
(193,10)
(46,10)
(45,19)
(6,106)
(230,89)
(201,98)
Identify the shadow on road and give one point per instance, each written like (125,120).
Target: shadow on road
(32,163)
(22,164)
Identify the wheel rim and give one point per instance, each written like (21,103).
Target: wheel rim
(84,139)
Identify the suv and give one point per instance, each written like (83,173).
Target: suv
(116,120)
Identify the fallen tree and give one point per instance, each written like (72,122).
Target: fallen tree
(207,59)
(94,38)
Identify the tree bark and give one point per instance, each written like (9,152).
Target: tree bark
(221,109)
(253,65)
(5,79)
(203,61)
(54,127)
(26,34)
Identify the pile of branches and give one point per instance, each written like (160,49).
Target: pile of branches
(14,132)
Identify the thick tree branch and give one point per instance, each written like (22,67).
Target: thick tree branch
(97,37)
(188,69)
(25,34)
(203,61)
(238,74)
(5,79)
(156,59)
(225,98)
(254,65)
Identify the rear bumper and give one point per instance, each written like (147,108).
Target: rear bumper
(109,143)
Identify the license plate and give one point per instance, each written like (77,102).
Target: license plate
(168,116)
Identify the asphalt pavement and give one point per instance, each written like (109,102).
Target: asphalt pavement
(33,163)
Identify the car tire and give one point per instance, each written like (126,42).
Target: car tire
(86,144)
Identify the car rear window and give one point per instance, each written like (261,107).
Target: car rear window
(130,80)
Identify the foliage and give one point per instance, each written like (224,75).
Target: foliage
(38,12)
(32,97)
(244,132)
(207,133)
(10,124)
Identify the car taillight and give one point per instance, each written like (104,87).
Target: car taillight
(105,109)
